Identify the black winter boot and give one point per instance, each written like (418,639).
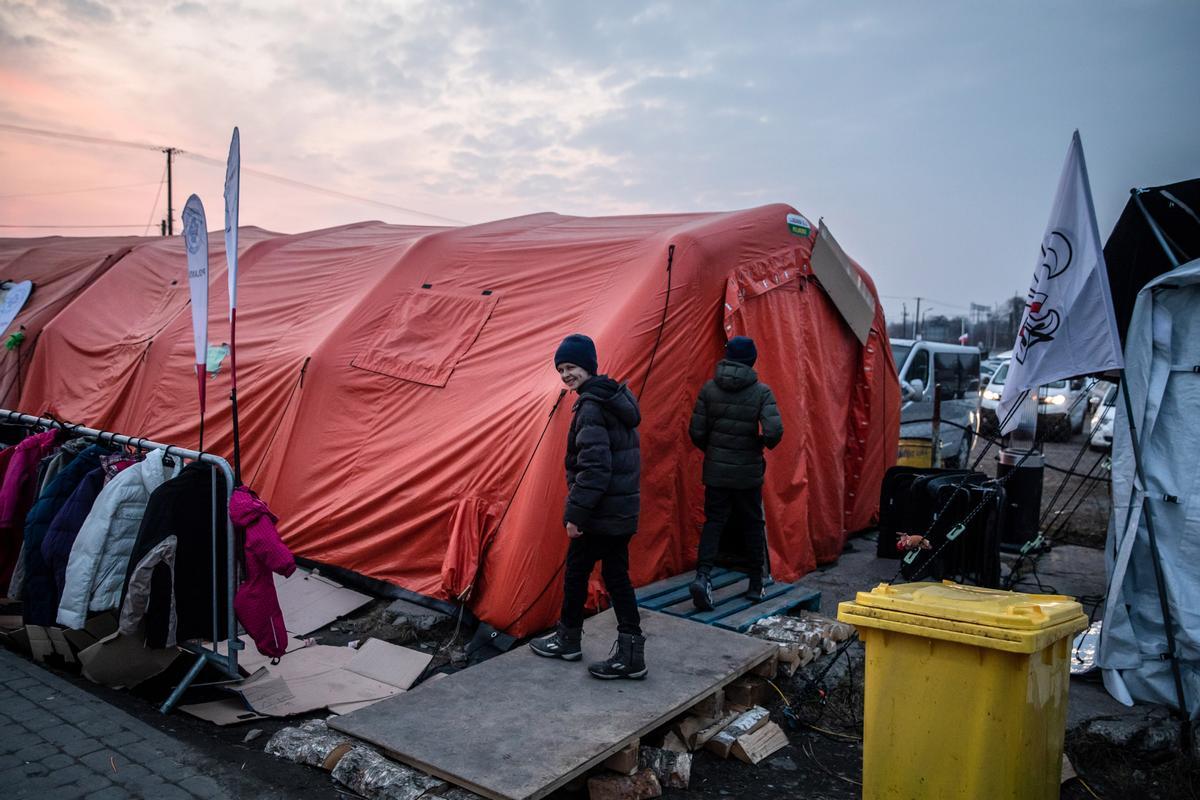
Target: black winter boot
(701,589)
(627,659)
(564,643)
(755,590)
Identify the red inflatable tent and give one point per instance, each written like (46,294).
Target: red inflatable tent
(399,408)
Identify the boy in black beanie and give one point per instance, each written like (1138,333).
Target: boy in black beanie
(601,515)
(734,418)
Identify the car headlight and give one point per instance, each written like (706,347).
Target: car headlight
(988,394)
(1053,400)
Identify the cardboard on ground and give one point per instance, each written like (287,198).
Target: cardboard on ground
(124,661)
(222,712)
(310,601)
(338,678)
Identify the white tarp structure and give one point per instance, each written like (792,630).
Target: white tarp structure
(1162,359)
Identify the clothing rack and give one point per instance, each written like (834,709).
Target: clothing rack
(227,662)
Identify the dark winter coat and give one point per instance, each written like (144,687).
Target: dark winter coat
(734,418)
(41,599)
(604,467)
(60,536)
(182,507)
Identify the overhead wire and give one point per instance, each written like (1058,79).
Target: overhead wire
(157,195)
(103,140)
(79,191)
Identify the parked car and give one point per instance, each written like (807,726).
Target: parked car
(924,365)
(1101,437)
(987,368)
(1062,405)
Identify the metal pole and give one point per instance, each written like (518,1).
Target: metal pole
(1158,234)
(935,436)
(170,151)
(1159,579)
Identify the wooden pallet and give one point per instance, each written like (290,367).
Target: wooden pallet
(519,726)
(731,610)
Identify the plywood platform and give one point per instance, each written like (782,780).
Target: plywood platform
(520,726)
(730,610)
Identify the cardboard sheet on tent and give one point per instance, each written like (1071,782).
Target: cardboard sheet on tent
(845,286)
(311,601)
(559,720)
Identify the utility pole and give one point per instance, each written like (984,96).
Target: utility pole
(904,322)
(170,151)
(917,320)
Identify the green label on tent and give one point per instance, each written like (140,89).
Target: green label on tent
(798,225)
(216,354)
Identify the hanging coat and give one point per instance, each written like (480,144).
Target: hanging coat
(154,574)
(100,556)
(60,536)
(17,495)
(183,507)
(40,607)
(256,603)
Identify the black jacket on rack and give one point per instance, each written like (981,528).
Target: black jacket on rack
(183,507)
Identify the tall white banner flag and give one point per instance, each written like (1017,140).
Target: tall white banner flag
(195,239)
(233,170)
(1068,327)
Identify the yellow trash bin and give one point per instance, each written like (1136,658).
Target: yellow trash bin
(914,453)
(966,690)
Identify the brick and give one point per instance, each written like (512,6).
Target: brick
(143,753)
(202,786)
(640,786)
(129,773)
(122,738)
(81,747)
(21,772)
(36,752)
(22,683)
(111,793)
(169,792)
(40,720)
(57,761)
(61,734)
(102,761)
(75,772)
(88,783)
(98,727)
(16,706)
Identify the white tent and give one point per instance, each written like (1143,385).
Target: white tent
(1162,373)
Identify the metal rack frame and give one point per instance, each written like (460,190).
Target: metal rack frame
(226,662)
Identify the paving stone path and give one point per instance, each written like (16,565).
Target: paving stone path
(58,742)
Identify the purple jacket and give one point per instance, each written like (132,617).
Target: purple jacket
(256,603)
(18,493)
(60,536)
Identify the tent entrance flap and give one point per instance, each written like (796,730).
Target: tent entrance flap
(426,334)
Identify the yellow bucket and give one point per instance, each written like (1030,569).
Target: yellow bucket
(966,690)
(914,453)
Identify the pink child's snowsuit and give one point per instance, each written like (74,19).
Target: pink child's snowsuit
(256,603)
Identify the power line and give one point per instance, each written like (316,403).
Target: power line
(79,191)
(158,194)
(137,225)
(100,140)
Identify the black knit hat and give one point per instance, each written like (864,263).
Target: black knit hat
(579,350)
(742,350)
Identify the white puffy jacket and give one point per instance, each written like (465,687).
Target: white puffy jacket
(100,555)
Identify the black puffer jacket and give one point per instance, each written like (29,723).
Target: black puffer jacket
(604,465)
(726,426)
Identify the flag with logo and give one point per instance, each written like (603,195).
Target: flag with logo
(233,171)
(195,240)
(1068,327)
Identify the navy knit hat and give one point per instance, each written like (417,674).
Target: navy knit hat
(579,350)
(742,350)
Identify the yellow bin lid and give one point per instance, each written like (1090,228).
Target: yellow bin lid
(992,618)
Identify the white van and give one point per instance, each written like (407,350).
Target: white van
(1062,405)
(923,365)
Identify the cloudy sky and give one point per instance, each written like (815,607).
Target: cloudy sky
(929,136)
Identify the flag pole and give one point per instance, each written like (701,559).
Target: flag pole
(1159,579)
(233,171)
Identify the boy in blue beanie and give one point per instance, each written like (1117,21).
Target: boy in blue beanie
(734,418)
(603,482)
